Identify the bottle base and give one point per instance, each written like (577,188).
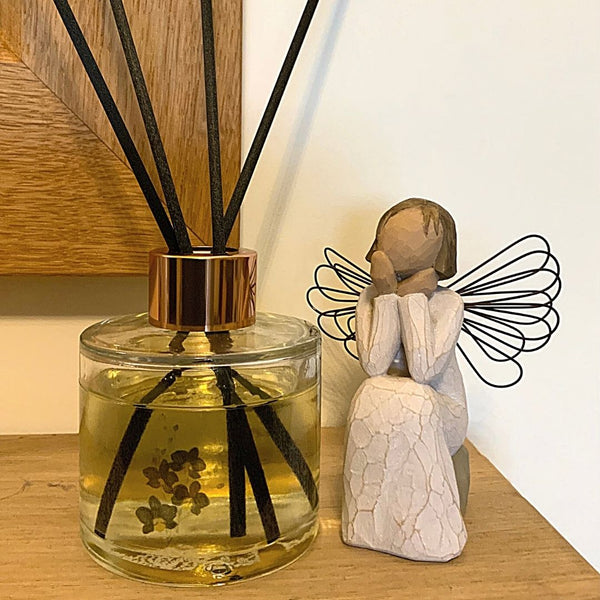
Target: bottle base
(213,569)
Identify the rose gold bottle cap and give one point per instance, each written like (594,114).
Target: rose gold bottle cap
(202,291)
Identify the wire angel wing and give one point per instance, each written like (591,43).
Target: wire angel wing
(508,302)
(340,281)
(509,308)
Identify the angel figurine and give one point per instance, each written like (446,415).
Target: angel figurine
(410,416)
(408,420)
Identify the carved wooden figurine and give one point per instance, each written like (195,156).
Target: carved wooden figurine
(409,417)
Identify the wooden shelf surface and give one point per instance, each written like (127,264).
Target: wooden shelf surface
(512,551)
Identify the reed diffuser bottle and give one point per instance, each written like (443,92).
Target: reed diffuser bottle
(178,405)
(199,436)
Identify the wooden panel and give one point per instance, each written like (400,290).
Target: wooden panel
(6,55)
(512,551)
(168,37)
(10,23)
(63,194)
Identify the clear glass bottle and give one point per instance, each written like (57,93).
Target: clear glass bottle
(199,450)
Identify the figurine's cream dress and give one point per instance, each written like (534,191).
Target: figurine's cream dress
(400,492)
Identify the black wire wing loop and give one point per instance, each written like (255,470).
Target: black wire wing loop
(338,280)
(509,309)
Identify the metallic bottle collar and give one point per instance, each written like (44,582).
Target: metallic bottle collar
(202,291)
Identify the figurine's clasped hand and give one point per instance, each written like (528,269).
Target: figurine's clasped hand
(383,273)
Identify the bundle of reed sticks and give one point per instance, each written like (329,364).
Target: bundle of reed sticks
(242,452)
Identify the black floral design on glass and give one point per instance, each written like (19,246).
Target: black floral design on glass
(156,516)
(194,463)
(163,474)
(199,500)
(180,494)
(184,489)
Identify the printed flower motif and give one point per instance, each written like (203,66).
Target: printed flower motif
(158,517)
(199,499)
(164,474)
(195,464)
(180,494)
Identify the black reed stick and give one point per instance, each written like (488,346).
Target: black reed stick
(236,468)
(131,440)
(283,440)
(127,447)
(256,475)
(237,478)
(116,120)
(212,122)
(267,119)
(176,344)
(156,144)
(243,447)
(240,443)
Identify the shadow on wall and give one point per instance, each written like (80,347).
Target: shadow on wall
(28,296)
(280,197)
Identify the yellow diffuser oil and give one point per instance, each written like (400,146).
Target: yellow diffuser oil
(171,521)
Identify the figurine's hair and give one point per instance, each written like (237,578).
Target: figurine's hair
(445,263)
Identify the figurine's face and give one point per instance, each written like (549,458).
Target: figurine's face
(408,246)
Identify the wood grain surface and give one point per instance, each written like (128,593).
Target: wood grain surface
(63,194)
(169,42)
(512,551)
(6,54)
(11,12)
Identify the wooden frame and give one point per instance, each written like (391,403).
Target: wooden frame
(69,203)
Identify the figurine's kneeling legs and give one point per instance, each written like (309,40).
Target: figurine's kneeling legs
(400,492)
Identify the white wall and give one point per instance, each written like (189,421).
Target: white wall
(40,322)
(490,108)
